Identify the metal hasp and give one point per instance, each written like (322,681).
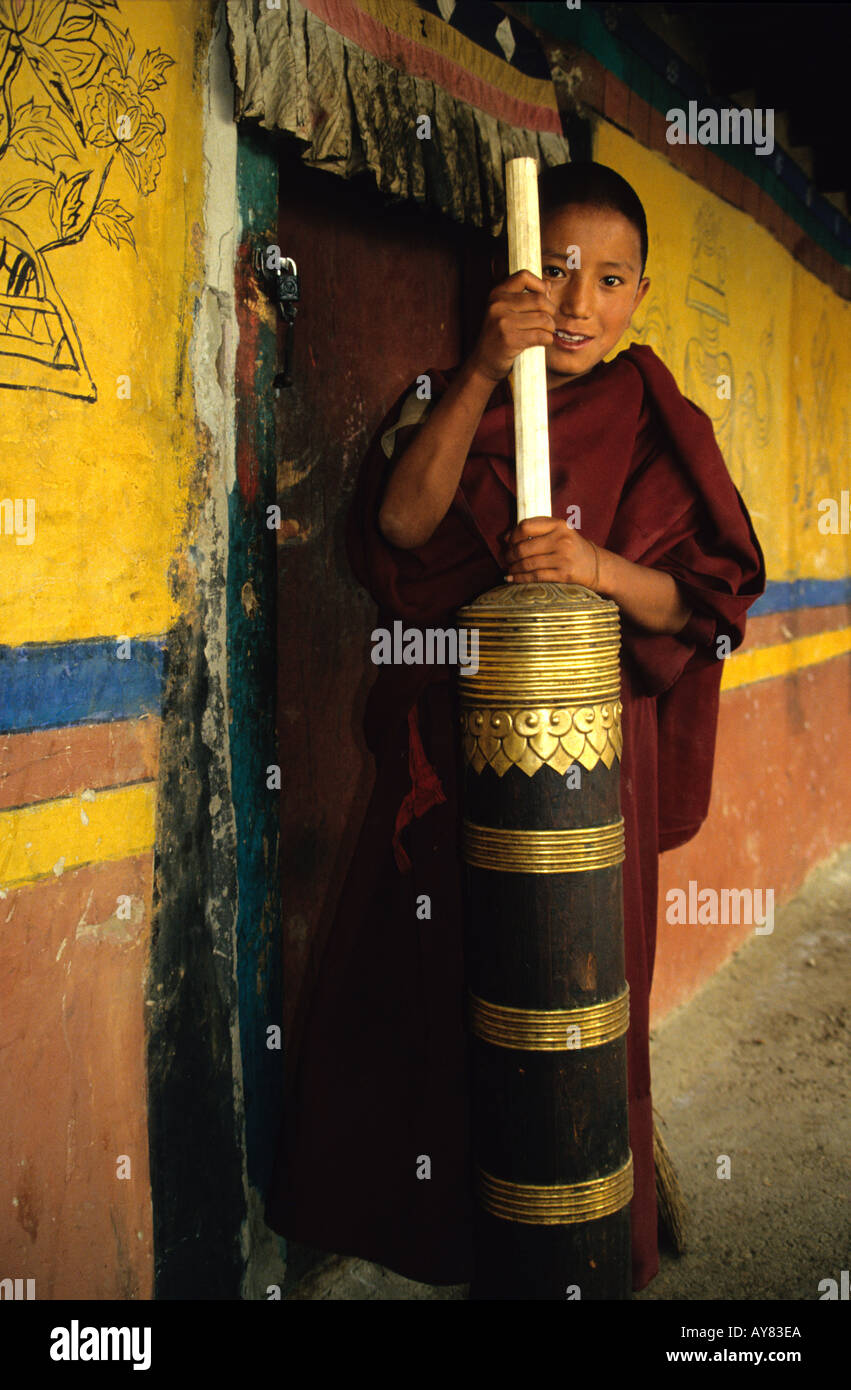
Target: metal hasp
(281,273)
(548,1008)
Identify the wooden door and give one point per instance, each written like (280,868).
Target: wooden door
(386,291)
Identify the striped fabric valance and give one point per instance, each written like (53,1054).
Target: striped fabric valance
(432,97)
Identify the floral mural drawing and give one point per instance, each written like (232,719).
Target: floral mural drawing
(69,104)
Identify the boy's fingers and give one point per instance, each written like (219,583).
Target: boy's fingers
(537,577)
(533,526)
(535,545)
(532,562)
(523,285)
(533,554)
(541,312)
(522,277)
(527,303)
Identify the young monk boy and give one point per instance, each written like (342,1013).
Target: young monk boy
(383,1070)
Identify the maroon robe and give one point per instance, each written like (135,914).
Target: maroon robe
(382,1076)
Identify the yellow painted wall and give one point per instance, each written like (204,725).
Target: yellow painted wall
(725,297)
(97,428)
(109,477)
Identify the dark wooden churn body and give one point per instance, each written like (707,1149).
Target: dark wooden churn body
(548,1003)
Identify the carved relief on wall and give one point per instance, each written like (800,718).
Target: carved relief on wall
(739,407)
(825,439)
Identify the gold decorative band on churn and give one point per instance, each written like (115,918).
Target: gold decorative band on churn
(550,1030)
(529,738)
(542,645)
(556,1206)
(543,851)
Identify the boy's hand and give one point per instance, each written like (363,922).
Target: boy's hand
(542,549)
(519,315)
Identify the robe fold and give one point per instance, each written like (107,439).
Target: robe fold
(382,1079)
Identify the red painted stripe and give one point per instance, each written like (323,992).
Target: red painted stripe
(51,763)
(770,628)
(781,804)
(79,907)
(419,61)
(73,1018)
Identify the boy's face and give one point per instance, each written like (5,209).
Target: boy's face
(596,293)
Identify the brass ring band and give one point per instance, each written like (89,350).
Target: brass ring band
(566,672)
(556,1206)
(585,643)
(502,694)
(585,652)
(540,631)
(550,1030)
(543,851)
(549,687)
(584,647)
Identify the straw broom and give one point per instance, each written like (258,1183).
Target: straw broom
(670,1201)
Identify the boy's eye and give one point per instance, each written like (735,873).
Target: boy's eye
(552,271)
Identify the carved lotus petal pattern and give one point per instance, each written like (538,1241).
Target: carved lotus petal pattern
(499,762)
(530,762)
(574,745)
(598,738)
(514,745)
(529,738)
(544,744)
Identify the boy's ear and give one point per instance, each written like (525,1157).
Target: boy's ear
(643,287)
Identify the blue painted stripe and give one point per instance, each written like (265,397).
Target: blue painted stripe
(801,593)
(56,684)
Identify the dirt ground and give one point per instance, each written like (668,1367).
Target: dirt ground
(755,1067)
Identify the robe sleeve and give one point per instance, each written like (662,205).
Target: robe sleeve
(707,543)
(701,569)
(430,582)
(423,586)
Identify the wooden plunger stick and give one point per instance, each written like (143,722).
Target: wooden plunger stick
(531,432)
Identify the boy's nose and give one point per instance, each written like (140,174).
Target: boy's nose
(576,300)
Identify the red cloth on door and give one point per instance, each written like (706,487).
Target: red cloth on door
(383,1068)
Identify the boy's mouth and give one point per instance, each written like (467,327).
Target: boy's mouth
(571,341)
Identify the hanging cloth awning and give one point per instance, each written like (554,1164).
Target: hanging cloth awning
(352,80)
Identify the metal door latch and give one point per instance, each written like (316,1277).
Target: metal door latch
(281,273)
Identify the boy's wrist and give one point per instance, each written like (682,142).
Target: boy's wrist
(605,578)
(474,375)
